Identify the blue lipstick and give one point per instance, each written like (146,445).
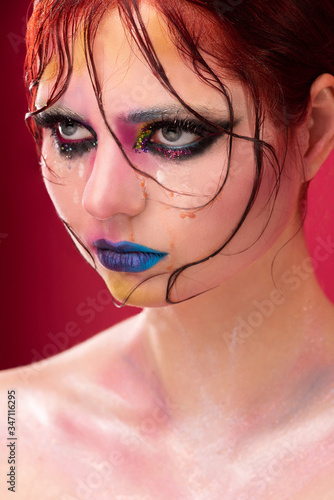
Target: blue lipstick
(127,257)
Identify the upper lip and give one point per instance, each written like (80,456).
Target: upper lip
(124,247)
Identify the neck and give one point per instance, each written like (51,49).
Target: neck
(248,342)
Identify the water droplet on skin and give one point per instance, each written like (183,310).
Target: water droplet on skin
(160,176)
(189,215)
(81,170)
(43,161)
(76,198)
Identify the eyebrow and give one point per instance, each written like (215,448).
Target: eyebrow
(49,115)
(173,111)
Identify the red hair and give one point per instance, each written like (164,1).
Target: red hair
(276,49)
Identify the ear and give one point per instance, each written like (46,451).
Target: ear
(320,124)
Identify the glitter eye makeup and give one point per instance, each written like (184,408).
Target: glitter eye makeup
(72,139)
(170,138)
(178,139)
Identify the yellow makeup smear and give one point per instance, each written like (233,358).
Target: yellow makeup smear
(45,87)
(121,285)
(79,63)
(51,71)
(116,49)
(118,287)
(158,32)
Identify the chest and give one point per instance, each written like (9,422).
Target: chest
(93,459)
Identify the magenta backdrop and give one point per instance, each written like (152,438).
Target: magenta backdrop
(46,287)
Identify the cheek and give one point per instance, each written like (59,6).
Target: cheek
(65,180)
(218,220)
(135,291)
(197,234)
(194,234)
(64,193)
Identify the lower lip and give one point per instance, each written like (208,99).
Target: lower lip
(129,262)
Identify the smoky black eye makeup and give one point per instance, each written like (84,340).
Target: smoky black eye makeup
(178,139)
(72,138)
(168,137)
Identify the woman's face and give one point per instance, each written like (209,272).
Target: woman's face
(139,230)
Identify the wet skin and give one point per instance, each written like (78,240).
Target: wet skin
(97,422)
(100,195)
(183,401)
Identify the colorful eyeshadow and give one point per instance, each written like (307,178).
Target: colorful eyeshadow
(206,136)
(142,140)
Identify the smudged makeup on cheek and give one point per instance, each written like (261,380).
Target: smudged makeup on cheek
(148,294)
(192,234)
(149,288)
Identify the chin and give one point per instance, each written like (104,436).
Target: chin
(148,294)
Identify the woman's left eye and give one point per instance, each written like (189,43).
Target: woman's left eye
(176,140)
(174,136)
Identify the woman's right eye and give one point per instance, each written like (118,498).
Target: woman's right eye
(73,139)
(70,137)
(73,131)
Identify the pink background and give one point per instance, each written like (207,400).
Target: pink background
(45,285)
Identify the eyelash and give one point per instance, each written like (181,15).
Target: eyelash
(67,148)
(208,135)
(73,149)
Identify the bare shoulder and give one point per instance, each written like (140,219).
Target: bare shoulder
(38,389)
(56,410)
(85,377)
(112,342)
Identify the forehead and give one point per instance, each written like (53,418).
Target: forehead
(124,74)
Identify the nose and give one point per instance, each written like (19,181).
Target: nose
(113,186)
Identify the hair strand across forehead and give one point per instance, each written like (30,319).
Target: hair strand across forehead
(275,49)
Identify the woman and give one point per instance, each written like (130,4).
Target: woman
(177,141)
